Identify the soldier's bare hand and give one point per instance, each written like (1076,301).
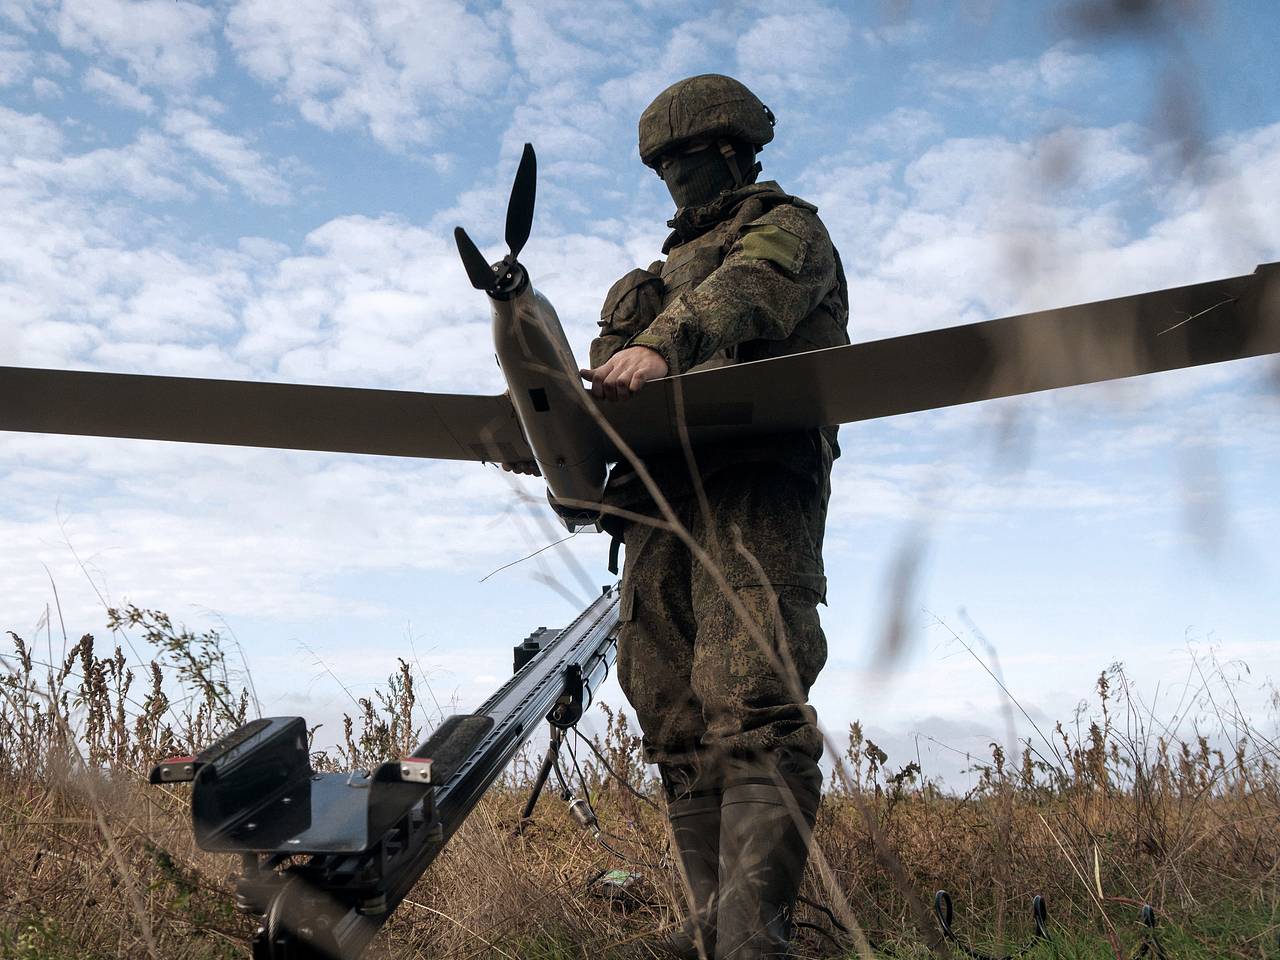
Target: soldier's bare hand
(528,467)
(625,373)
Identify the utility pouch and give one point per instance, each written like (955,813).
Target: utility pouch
(630,306)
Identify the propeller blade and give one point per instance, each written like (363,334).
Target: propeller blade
(249,414)
(478,270)
(1127,337)
(520,206)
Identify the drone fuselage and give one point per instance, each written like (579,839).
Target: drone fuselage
(550,401)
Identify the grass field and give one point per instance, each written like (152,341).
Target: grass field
(1100,816)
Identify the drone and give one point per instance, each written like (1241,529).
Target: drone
(326,858)
(546,416)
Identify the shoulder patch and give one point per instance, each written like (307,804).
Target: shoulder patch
(769,241)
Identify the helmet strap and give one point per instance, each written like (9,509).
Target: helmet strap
(733,161)
(731,158)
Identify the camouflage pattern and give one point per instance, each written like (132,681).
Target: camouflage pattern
(763,282)
(701,684)
(749,276)
(710,105)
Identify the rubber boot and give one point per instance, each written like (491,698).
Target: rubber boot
(693,807)
(766,819)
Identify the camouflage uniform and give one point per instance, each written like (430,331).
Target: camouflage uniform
(749,276)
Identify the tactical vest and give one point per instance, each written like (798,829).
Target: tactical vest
(690,262)
(698,245)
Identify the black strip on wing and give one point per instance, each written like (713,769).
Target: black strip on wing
(244,413)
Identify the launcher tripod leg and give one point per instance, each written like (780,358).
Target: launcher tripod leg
(548,764)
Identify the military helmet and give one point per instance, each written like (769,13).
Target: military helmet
(709,105)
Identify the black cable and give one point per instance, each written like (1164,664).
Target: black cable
(943,911)
(1151,945)
(818,928)
(565,793)
(582,779)
(617,776)
(823,908)
(598,832)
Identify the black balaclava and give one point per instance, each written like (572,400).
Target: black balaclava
(693,179)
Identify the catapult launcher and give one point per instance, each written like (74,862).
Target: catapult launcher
(327,857)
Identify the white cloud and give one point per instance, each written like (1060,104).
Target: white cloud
(165,43)
(389,66)
(961,171)
(87,279)
(368,302)
(657,61)
(287,511)
(805,67)
(230,155)
(28,135)
(900,131)
(148,169)
(896,33)
(1015,86)
(35,160)
(116,90)
(24,14)
(544,50)
(980,227)
(16,60)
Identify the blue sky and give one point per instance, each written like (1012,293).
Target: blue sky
(255,190)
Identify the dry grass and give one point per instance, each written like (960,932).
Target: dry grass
(1100,815)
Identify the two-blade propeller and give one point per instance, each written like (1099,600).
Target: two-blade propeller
(519,224)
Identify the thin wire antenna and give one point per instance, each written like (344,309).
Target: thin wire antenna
(539,517)
(431,692)
(1196,316)
(244,659)
(319,661)
(530,556)
(1000,683)
(617,777)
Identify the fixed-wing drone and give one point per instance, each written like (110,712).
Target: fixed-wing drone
(548,417)
(327,857)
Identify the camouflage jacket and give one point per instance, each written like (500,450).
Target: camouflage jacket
(749,276)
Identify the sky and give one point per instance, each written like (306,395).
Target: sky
(254,190)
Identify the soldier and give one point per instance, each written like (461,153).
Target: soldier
(749,273)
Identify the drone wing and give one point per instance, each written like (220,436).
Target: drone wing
(1126,337)
(242,413)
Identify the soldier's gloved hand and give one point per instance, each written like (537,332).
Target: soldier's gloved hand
(529,467)
(625,373)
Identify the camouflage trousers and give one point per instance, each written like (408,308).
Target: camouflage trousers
(703,682)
